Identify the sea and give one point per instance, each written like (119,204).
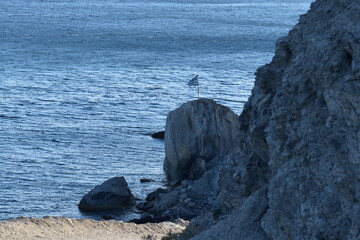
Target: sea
(84,83)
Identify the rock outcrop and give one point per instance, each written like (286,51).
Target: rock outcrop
(295,172)
(196,132)
(299,151)
(111,194)
(158,135)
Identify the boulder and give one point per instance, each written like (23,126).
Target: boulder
(158,135)
(146,180)
(111,194)
(196,132)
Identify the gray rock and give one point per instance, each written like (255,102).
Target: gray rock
(111,194)
(187,200)
(295,173)
(299,137)
(191,204)
(200,129)
(146,180)
(183,196)
(242,223)
(156,194)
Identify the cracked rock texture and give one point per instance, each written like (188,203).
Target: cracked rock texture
(296,172)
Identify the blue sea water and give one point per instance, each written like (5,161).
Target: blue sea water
(84,82)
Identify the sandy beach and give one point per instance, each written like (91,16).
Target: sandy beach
(56,228)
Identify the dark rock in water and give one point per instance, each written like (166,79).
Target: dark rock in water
(159,135)
(111,194)
(150,219)
(107,217)
(146,180)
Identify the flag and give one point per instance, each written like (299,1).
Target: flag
(194,81)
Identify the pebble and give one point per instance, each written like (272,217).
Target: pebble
(183,196)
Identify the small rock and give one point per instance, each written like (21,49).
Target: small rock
(187,200)
(146,216)
(183,196)
(107,217)
(146,180)
(111,194)
(182,190)
(185,182)
(191,204)
(158,135)
(155,195)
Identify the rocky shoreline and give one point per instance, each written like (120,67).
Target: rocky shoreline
(292,170)
(288,167)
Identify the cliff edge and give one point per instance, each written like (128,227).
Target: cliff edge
(296,173)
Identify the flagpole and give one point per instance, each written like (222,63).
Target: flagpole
(198,91)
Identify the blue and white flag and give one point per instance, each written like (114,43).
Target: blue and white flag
(194,81)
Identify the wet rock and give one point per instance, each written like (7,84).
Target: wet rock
(146,180)
(107,217)
(111,194)
(159,135)
(150,219)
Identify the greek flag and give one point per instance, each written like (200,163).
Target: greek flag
(194,81)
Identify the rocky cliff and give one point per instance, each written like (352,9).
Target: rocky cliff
(296,173)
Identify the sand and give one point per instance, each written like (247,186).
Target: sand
(56,228)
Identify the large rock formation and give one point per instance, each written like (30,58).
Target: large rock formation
(198,135)
(111,194)
(196,132)
(299,154)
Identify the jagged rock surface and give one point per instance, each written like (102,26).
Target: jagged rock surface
(111,194)
(300,136)
(196,132)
